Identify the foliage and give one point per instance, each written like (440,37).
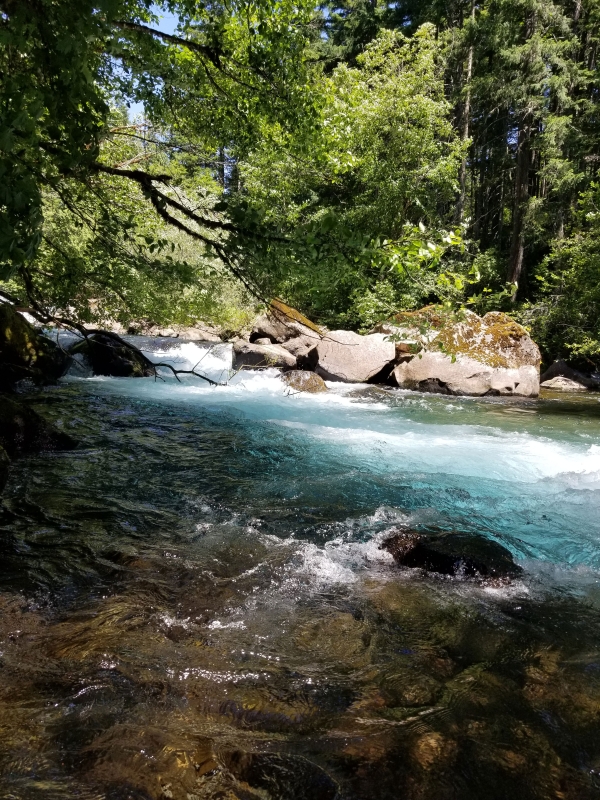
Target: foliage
(364,213)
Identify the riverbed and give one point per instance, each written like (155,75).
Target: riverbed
(195,602)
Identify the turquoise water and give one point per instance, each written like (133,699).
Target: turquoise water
(195,602)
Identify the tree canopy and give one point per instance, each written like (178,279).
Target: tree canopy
(355,158)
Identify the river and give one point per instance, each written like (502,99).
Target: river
(195,603)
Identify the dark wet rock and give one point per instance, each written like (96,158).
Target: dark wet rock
(282,776)
(4,464)
(304,381)
(282,323)
(304,348)
(447,553)
(352,358)
(261,356)
(24,431)
(27,353)
(111,356)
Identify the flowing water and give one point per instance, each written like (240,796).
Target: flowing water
(194,603)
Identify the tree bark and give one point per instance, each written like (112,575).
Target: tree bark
(460,207)
(521,194)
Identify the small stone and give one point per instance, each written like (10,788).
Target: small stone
(304,381)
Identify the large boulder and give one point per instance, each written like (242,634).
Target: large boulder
(262,356)
(447,553)
(304,381)
(111,356)
(282,323)
(352,358)
(27,353)
(472,355)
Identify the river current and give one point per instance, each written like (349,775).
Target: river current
(195,604)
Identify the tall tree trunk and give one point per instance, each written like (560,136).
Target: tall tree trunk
(521,194)
(466,114)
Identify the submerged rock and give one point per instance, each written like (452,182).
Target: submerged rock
(262,356)
(24,431)
(108,355)
(304,381)
(490,355)
(282,775)
(352,358)
(282,323)
(27,353)
(460,554)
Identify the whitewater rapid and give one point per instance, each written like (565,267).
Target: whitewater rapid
(517,472)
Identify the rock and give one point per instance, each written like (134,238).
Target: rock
(281,775)
(560,369)
(304,381)
(27,353)
(477,356)
(449,553)
(282,322)
(261,356)
(264,340)
(304,348)
(24,431)
(4,464)
(438,373)
(560,384)
(111,356)
(347,356)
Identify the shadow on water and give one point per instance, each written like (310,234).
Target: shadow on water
(194,604)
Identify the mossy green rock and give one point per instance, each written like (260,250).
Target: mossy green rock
(26,353)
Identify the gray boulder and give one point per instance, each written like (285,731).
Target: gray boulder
(262,356)
(304,381)
(560,369)
(304,348)
(492,355)
(347,356)
(561,384)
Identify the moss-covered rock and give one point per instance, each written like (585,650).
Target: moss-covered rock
(26,353)
(300,380)
(282,323)
(467,354)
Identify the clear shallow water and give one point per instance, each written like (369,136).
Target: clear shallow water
(195,602)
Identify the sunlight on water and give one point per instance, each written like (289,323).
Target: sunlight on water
(195,603)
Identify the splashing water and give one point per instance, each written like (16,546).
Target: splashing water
(195,603)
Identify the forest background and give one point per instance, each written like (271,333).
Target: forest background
(354,158)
